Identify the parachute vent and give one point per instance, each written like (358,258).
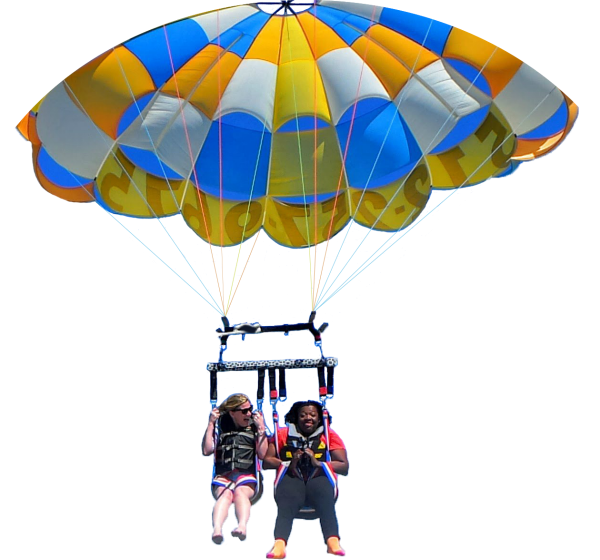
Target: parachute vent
(287,7)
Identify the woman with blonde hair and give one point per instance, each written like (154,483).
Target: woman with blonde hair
(237,437)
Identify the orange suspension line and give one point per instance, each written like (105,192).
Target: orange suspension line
(221,223)
(346,149)
(242,275)
(195,173)
(315,157)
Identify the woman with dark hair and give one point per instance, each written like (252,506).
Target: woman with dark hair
(305,475)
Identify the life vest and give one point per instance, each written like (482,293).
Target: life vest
(295,440)
(236,449)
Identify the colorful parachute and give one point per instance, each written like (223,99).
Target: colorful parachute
(295,118)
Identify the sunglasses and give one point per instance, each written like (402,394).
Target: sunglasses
(243,410)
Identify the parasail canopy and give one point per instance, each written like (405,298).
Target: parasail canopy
(293,118)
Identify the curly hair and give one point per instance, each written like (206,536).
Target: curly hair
(292,415)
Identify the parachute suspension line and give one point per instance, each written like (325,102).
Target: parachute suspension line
(91,194)
(418,162)
(315,159)
(247,213)
(171,269)
(155,149)
(128,175)
(242,275)
(143,122)
(230,299)
(366,264)
(412,73)
(347,147)
(93,198)
(220,92)
(451,193)
(299,147)
(251,193)
(220,128)
(194,172)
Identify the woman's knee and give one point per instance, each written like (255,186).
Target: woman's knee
(290,493)
(288,484)
(244,492)
(224,495)
(320,492)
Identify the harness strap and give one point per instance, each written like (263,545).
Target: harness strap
(327,467)
(272,386)
(326,432)
(260,392)
(215,444)
(282,388)
(322,384)
(257,463)
(330,370)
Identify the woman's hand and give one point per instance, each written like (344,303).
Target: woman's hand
(215,413)
(259,421)
(297,456)
(313,460)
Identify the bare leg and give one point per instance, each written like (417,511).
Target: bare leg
(241,503)
(220,512)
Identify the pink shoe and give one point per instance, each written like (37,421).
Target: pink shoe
(278,550)
(333,547)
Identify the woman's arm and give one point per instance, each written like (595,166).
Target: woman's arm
(208,441)
(262,444)
(270,460)
(339,461)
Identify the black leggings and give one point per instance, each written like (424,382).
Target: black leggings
(293,493)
